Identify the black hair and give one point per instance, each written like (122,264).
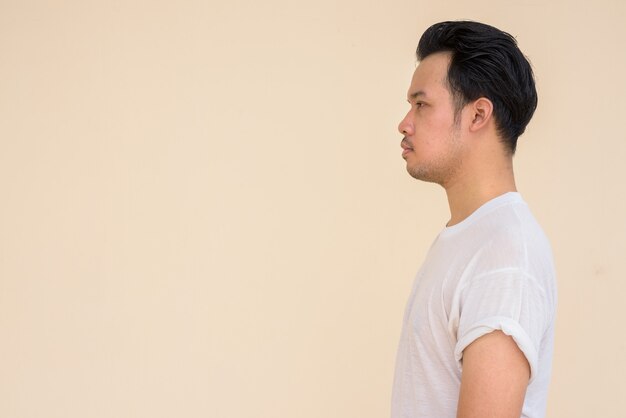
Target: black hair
(486,62)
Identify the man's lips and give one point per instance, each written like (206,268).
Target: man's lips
(405,147)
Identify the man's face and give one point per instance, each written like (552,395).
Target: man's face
(432,145)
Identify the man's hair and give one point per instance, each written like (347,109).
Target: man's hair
(486,62)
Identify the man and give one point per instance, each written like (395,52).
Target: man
(478,327)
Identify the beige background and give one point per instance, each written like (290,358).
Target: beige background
(205,213)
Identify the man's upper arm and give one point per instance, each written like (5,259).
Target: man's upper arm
(494,378)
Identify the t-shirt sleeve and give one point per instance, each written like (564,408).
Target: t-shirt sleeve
(507,300)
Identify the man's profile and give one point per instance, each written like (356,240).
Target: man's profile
(478,328)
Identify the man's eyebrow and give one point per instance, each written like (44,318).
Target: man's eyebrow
(415,95)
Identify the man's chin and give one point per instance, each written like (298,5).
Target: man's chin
(419,173)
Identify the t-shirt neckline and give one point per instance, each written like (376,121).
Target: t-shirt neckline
(496,202)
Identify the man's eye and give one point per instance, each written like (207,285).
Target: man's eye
(419,104)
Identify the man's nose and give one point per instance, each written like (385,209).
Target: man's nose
(406,126)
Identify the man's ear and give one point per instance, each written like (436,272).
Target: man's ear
(481,113)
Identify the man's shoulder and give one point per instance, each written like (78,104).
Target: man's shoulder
(511,223)
(510,237)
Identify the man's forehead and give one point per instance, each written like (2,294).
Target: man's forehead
(430,76)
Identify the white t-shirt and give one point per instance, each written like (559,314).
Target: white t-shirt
(492,271)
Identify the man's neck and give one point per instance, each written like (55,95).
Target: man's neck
(472,191)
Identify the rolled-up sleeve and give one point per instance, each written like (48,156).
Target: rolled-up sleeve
(508,300)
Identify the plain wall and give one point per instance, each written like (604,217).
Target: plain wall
(205,212)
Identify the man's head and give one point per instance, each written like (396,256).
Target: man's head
(485,62)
